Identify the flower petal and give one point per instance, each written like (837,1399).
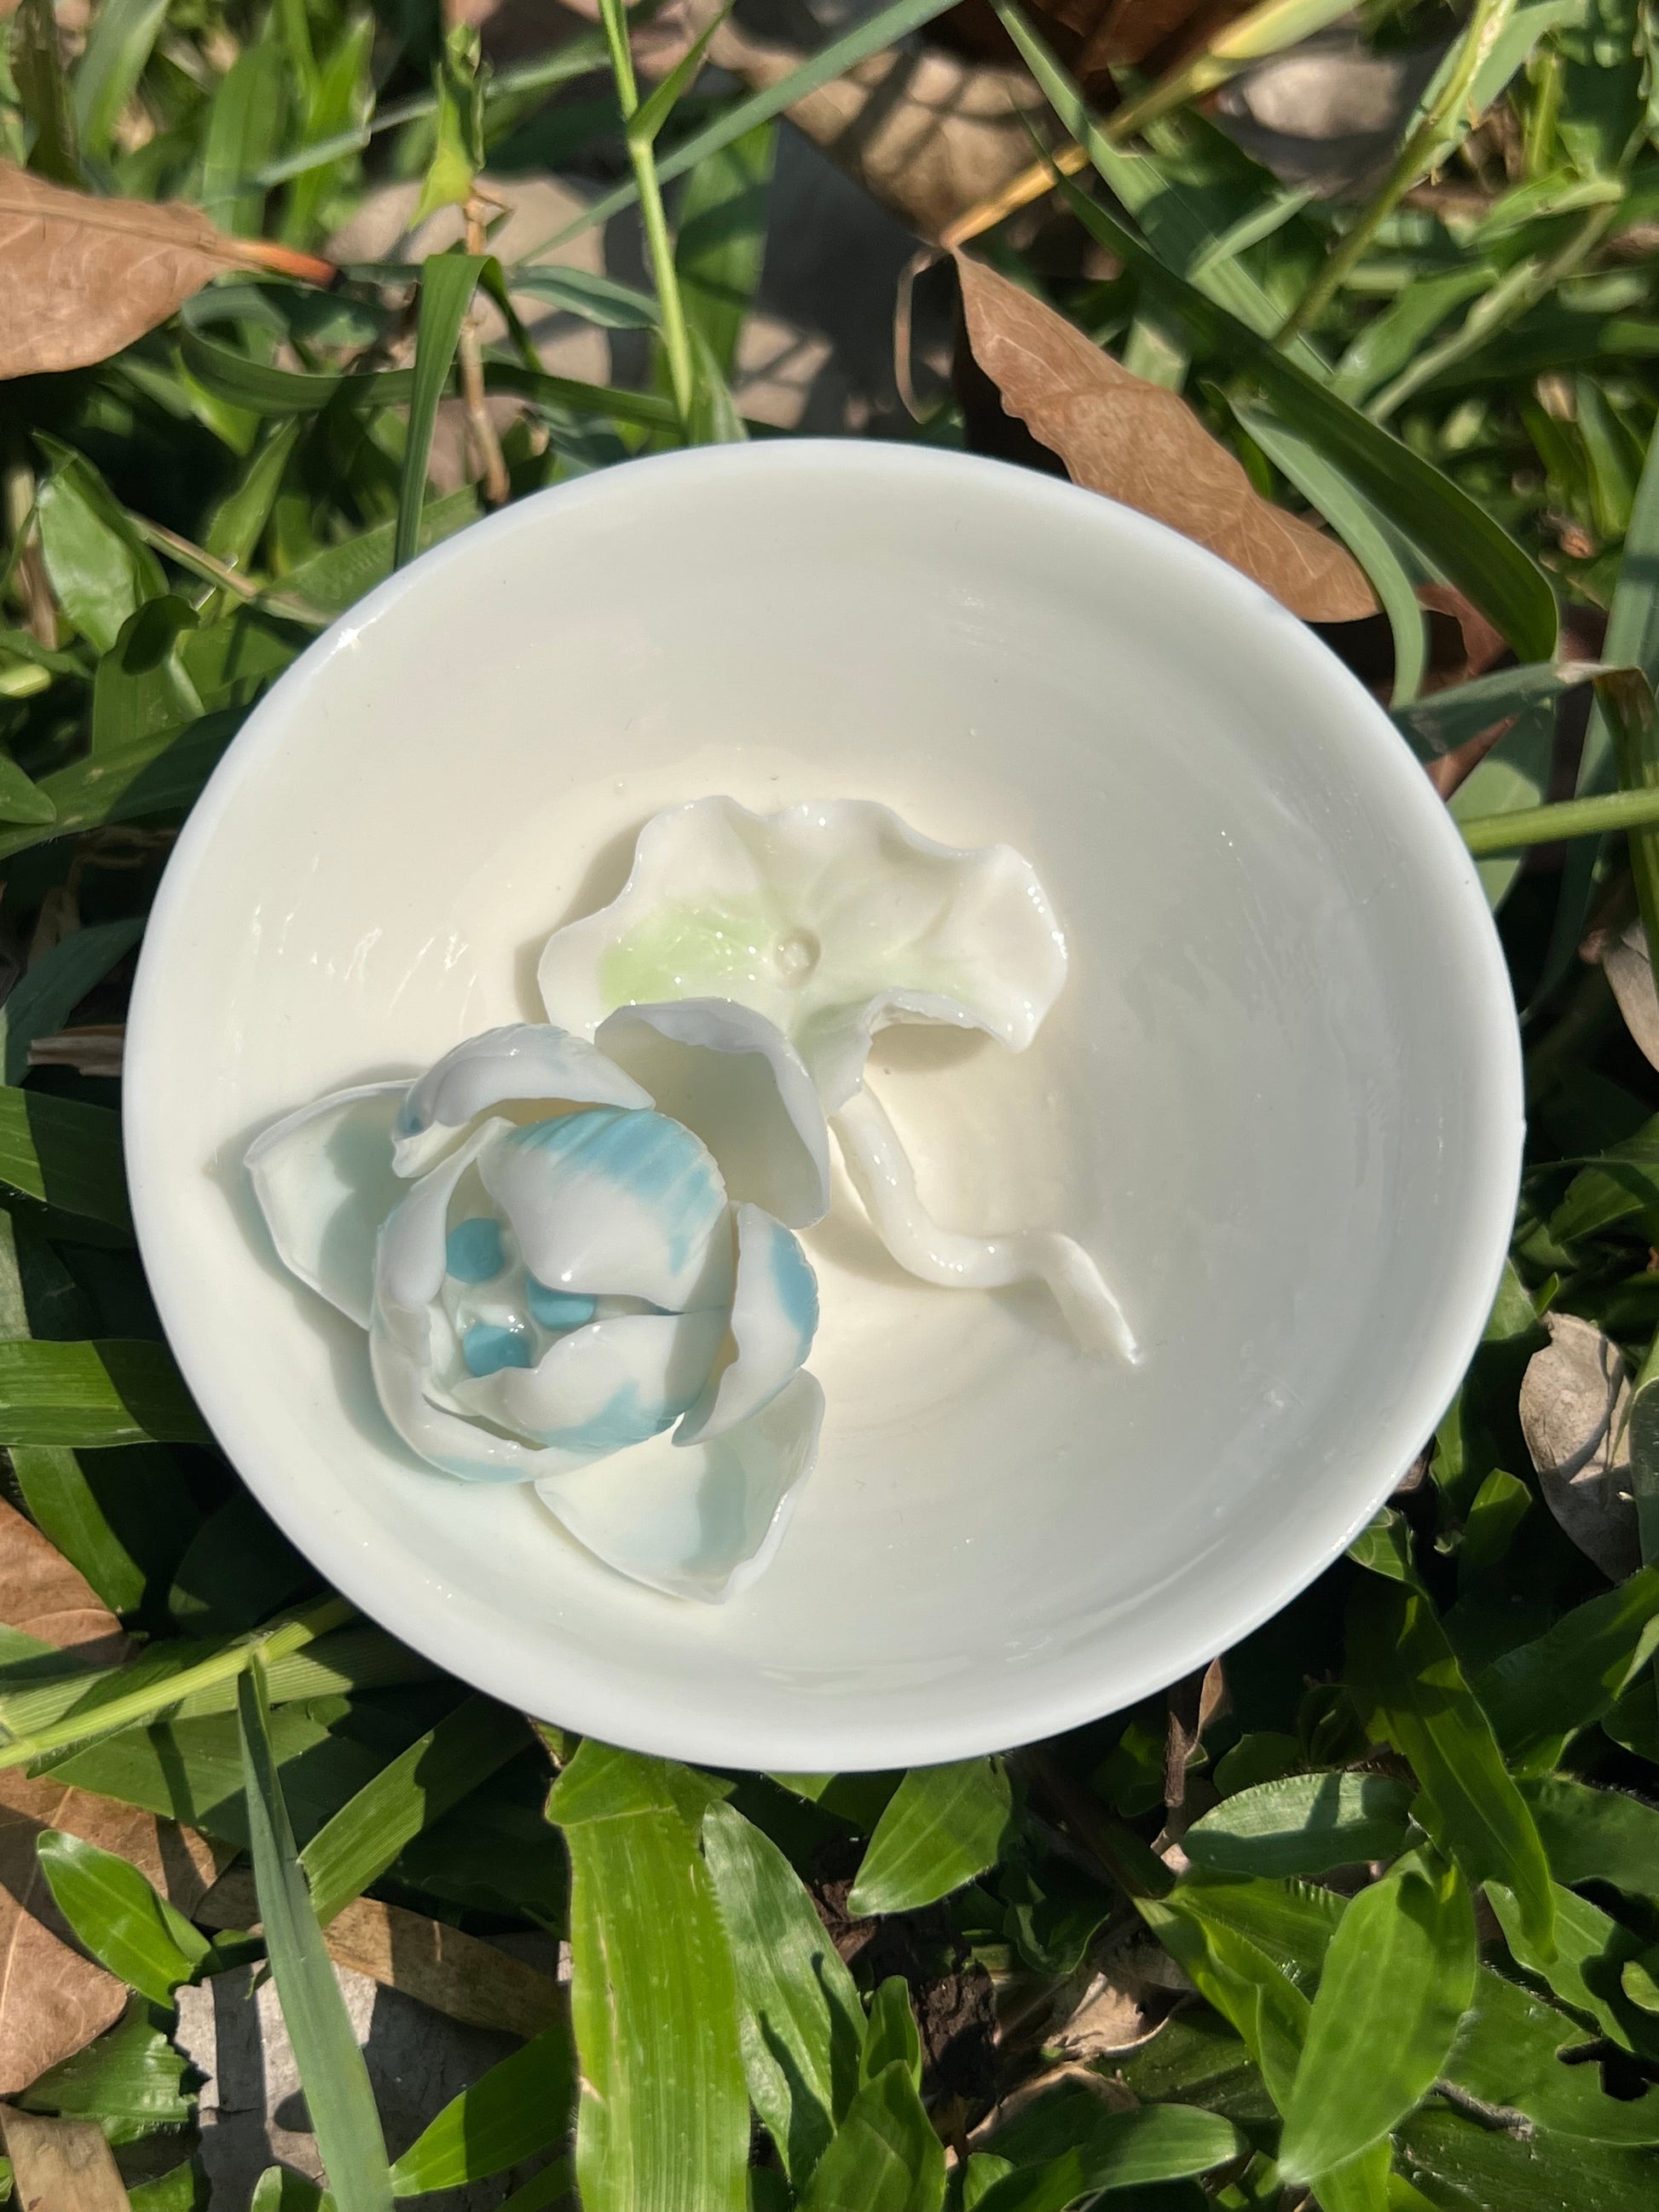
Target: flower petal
(732,1076)
(524,1060)
(775,1317)
(614,1202)
(701,1522)
(409,1272)
(827,918)
(325,1183)
(603,1388)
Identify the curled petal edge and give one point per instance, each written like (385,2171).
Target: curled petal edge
(702,1521)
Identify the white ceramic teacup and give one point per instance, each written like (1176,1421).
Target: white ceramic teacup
(1279,1095)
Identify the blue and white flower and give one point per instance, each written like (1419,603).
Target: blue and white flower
(576,1265)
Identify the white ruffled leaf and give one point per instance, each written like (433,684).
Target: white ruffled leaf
(700,1522)
(830,919)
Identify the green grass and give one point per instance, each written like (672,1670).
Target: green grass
(1413,1859)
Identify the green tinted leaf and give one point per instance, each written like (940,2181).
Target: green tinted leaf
(161,776)
(20,799)
(884,2156)
(1121,2150)
(44,93)
(332,2074)
(1400,1659)
(983,2168)
(63,1155)
(1587,1969)
(893,2038)
(1305,1824)
(596,299)
(1569,1677)
(100,571)
(239,519)
(244,128)
(1469,2167)
(183,2188)
(721,240)
(118,1917)
(119,1391)
(436,1771)
(336,108)
(51,990)
(518,2108)
(1398,1978)
(458,150)
(662,2117)
(123,33)
(129,2081)
(943,1826)
(1596,1835)
(803,2026)
(1355,523)
(337,577)
(447,284)
(254,384)
(141,687)
(1509,2056)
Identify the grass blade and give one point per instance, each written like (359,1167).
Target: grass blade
(119,1390)
(120,1917)
(447,284)
(520,2107)
(1398,1978)
(662,2118)
(332,2074)
(1399,1658)
(884,28)
(418,1787)
(802,2025)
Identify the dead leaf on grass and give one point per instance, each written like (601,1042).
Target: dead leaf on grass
(61,2165)
(1113,2018)
(53,2001)
(1138,443)
(1574,1399)
(1629,969)
(81,277)
(41,1594)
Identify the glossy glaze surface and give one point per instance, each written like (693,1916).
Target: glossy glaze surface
(1281,1088)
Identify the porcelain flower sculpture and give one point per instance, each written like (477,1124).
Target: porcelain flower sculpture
(833,920)
(557,1267)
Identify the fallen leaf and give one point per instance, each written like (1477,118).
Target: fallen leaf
(82,276)
(1194,1703)
(1139,444)
(1629,969)
(457,1974)
(41,1594)
(61,2165)
(1574,1399)
(53,2001)
(1113,2018)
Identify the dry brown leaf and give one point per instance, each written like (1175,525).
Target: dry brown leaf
(456,1974)
(45,1597)
(94,1048)
(80,277)
(61,2165)
(1629,969)
(1138,443)
(52,2000)
(1574,1399)
(1112,2019)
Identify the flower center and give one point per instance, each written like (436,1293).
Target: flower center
(796,956)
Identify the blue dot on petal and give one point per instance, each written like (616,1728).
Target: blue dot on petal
(472,1253)
(559,1309)
(487,1349)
